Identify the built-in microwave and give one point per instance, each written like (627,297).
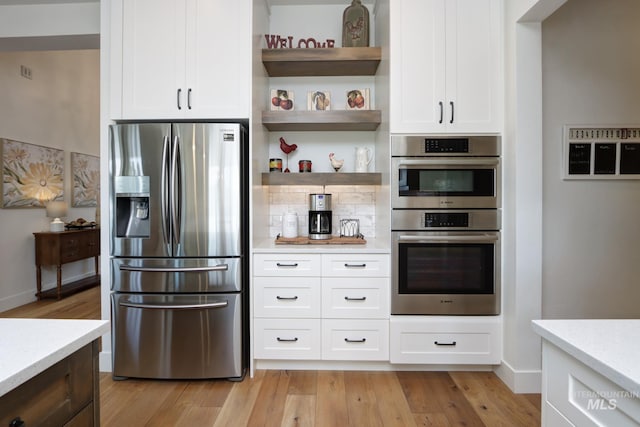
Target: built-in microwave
(462,172)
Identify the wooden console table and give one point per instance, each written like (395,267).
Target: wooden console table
(58,248)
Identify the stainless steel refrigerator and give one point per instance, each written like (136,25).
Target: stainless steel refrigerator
(179,243)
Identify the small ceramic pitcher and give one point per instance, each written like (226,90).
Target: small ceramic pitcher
(363,158)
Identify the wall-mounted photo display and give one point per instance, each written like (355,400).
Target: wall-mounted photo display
(85,171)
(32,175)
(601,152)
(282,100)
(318,100)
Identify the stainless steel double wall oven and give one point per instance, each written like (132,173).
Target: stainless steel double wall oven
(445,224)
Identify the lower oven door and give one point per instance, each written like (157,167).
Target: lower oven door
(446,273)
(183,336)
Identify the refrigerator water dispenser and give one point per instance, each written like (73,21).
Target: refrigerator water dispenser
(132,207)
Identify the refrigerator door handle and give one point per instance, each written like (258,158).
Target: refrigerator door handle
(175,191)
(219,267)
(164,192)
(217,304)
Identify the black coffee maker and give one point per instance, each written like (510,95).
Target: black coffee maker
(319,216)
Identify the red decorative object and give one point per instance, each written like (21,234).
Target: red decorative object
(286,149)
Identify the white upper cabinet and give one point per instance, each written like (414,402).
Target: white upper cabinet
(184,59)
(446,66)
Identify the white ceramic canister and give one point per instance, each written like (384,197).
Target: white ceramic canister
(363,158)
(290,225)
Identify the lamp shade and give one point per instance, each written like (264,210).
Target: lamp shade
(56,209)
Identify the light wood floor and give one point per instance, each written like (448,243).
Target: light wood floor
(302,398)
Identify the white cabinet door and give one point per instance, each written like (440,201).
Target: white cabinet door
(445,66)
(218,59)
(185,59)
(153,58)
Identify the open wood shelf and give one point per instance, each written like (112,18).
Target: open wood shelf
(332,120)
(339,61)
(321,178)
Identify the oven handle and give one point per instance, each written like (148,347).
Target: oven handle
(449,162)
(219,267)
(426,239)
(219,304)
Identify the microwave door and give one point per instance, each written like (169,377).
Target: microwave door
(138,178)
(207,208)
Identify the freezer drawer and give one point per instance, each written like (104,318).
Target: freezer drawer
(177,336)
(176,275)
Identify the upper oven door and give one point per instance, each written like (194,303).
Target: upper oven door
(445,182)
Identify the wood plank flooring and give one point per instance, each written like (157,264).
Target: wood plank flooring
(301,398)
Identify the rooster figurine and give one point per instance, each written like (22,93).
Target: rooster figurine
(286,149)
(336,164)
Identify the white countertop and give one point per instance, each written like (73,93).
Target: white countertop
(609,346)
(30,346)
(372,246)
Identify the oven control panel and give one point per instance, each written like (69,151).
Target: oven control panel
(446,220)
(448,145)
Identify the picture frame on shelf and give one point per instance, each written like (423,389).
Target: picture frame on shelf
(358,99)
(282,100)
(318,100)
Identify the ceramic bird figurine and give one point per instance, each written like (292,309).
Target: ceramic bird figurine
(335,163)
(287,149)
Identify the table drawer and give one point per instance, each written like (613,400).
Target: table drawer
(286,265)
(286,297)
(355,339)
(355,265)
(359,298)
(459,340)
(287,339)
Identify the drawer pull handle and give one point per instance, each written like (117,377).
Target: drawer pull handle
(293,298)
(445,343)
(287,339)
(294,265)
(355,265)
(355,299)
(357,341)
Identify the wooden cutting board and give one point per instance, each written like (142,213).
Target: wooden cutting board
(303,240)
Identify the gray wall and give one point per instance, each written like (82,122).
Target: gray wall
(591,229)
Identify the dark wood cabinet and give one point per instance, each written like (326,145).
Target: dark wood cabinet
(66,394)
(58,248)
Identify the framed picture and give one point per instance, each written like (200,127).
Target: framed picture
(85,170)
(358,99)
(318,100)
(31,174)
(281,99)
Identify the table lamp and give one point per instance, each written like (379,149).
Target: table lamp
(56,210)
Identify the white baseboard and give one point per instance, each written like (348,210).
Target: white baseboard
(520,381)
(17,300)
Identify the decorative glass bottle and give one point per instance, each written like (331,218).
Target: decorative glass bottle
(355,25)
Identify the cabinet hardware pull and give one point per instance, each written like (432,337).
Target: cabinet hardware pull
(452,115)
(293,298)
(445,343)
(347,265)
(359,341)
(287,339)
(179,93)
(189,99)
(355,299)
(279,264)
(441,112)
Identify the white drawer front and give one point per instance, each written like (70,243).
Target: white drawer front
(357,298)
(456,341)
(287,339)
(583,395)
(286,265)
(355,265)
(286,297)
(355,339)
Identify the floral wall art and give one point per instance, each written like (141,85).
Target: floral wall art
(31,174)
(86,180)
